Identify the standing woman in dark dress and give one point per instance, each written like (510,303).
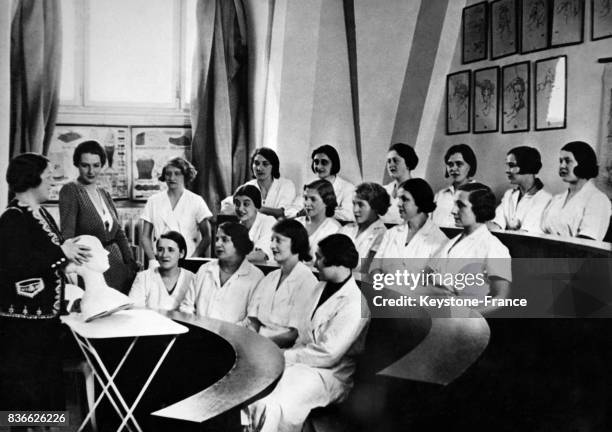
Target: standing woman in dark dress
(86,208)
(32,257)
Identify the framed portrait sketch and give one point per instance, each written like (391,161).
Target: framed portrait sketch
(486,97)
(515,97)
(567,22)
(601,19)
(534,25)
(551,93)
(458,102)
(475,33)
(504,28)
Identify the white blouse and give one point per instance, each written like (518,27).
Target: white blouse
(526,214)
(392,216)
(368,240)
(344,192)
(280,195)
(148,290)
(328,226)
(445,201)
(261,232)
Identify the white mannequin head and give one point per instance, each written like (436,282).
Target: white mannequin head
(99,256)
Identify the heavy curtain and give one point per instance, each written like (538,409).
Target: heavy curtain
(219,100)
(36,39)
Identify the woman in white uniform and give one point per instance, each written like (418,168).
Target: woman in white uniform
(522,206)
(223,289)
(176,209)
(408,246)
(285,296)
(319,367)
(319,205)
(163,287)
(401,160)
(582,210)
(474,252)
(370,203)
(277,193)
(460,166)
(247,202)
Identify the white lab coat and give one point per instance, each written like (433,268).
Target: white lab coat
(344,192)
(320,366)
(148,290)
(261,232)
(328,226)
(368,240)
(526,214)
(392,216)
(280,195)
(229,302)
(189,211)
(445,201)
(587,213)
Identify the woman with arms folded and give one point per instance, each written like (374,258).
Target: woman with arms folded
(176,209)
(247,202)
(521,207)
(222,289)
(582,210)
(163,286)
(401,160)
(284,297)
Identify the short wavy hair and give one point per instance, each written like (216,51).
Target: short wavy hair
(24,171)
(584,154)
(468,155)
(421,193)
(90,146)
(407,153)
(376,196)
(339,250)
(271,156)
(187,169)
(327,194)
(177,238)
(482,199)
(528,159)
(331,153)
(239,235)
(298,235)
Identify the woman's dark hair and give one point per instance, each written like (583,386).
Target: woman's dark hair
(376,196)
(271,156)
(90,146)
(177,238)
(299,237)
(421,193)
(407,153)
(24,171)
(339,250)
(482,200)
(527,158)
(468,156)
(327,194)
(239,235)
(187,169)
(331,153)
(584,154)
(251,192)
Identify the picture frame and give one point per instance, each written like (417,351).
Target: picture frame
(567,26)
(535,28)
(550,93)
(475,33)
(504,28)
(601,19)
(485,97)
(458,106)
(515,97)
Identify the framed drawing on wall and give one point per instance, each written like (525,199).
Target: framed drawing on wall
(601,19)
(458,102)
(534,25)
(567,22)
(486,96)
(515,97)
(551,93)
(504,25)
(475,34)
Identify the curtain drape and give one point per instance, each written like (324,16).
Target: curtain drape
(219,100)
(36,38)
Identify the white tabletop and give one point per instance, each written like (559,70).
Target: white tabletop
(126,323)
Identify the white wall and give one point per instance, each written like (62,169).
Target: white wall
(5,86)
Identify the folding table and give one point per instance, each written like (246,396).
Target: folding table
(134,323)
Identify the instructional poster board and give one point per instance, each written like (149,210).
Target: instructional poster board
(115,175)
(151,149)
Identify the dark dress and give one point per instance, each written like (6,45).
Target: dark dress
(78,216)
(30,359)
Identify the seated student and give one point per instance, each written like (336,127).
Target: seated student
(521,207)
(582,210)
(475,251)
(247,202)
(277,193)
(163,287)
(460,162)
(319,205)
(371,201)
(401,160)
(418,237)
(222,289)
(320,366)
(285,296)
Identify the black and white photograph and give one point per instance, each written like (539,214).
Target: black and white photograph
(567,22)
(486,99)
(475,31)
(504,28)
(601,19)
(551,93)
(535,28)
(515,97)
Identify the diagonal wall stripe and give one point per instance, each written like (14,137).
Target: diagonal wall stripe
(351,41)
